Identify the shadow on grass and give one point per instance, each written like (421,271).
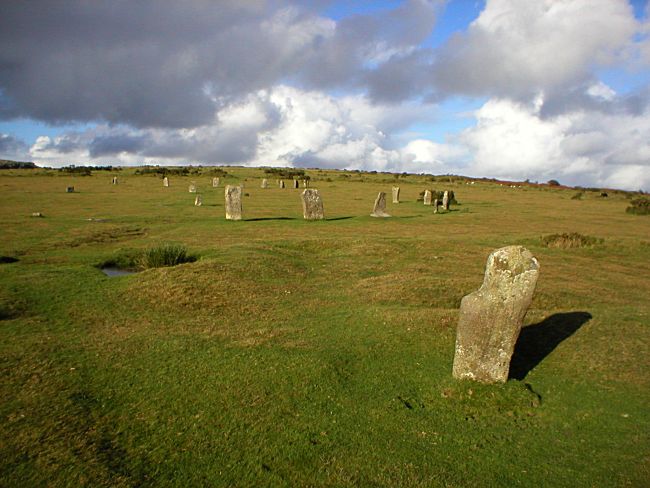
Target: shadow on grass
(259,219)
(338,218)
(538,340)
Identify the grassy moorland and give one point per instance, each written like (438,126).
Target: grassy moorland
(295,353)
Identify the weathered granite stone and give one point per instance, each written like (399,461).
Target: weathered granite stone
(198,201)
(445,200)
(115,180)
(296,184)
(233,202)
(436,204)
(379,210)
(165,181)
(69,189)
(396,194)
(265,183)
(491,317)
(427,197)
(192,188)
(312,205)
(37,214)
(215,182)
(305,183)
(281,183)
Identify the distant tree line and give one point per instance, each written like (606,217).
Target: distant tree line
(8,164)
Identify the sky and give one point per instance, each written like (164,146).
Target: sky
(508,89)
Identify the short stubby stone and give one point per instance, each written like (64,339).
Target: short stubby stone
(427,197)
(490,318)
(379,210)
(115,180)
(396,194)
(305,183)
(445,200)
(192,188)
(37,214)
(296,184)
(312,204)
(233,202)
(265,183)
(198,201)
(165,181)
(69,189)
(215,182)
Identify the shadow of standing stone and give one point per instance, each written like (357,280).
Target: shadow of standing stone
(491,317)
(537,341)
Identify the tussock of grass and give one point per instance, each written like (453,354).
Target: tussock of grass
(165,255)
(639,206)
(570,240)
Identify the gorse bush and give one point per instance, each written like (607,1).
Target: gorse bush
(570,240)
(164,255)
(639,206)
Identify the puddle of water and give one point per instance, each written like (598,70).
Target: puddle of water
(112,272)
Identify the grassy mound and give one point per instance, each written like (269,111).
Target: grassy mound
(570,240)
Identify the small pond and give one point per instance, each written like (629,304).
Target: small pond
(112,272)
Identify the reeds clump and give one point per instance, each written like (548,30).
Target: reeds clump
(164,255)
(570,240)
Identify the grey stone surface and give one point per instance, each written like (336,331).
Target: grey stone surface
(436,204)
(427,197)
(305,183)
(198,201)
(265,183)
(396,194)
(281,183)
(312,204)
(490,318)
(379,209)
(69,189)
(233,202)
(192,188)
(445,200)
(296,184)
(215,182)
(37,214)
(165,181)
(115,180)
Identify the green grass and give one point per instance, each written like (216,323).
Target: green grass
(298,353)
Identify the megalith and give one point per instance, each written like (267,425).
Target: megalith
(379,210)
(312,205)
(490,318)
(265,183)
(296,184)
(215,182)
(445,200)
(198,201)
(281,183)
(233,202)
(192,188)
(396,194)
(427,197)
(115,180)
(165,181)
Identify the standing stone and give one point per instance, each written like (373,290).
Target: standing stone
(265,183)
(396,194)
(312,205)
(281,183)
(115,180)
(427,197)
(69,189)
(445,200)
(233,202)
(491,317)
(379,210)
(296,184)
(215,182)
(305,183)
(192,188)
(198,201)
(436,204)
(165,181)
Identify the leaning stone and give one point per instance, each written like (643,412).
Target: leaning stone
(491,317)
(215,182)
(445,200)
(379,210)
(281,183)
(396,194)
(312,205)
(192,188)
(233,202)
(265,183)
(165,181)
(69,189)
(427,197)
(198,201)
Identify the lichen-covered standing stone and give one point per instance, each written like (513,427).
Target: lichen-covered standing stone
(379,210)
(445,200)
(198,201)
(165,181)
(115,180)
(491,317)
(233,202)
(312,204)
(436,204)
(192,188)
(427,197)
(396,194)
(281,183)
(265,183)
(215,182)
(296,184)
(305,183)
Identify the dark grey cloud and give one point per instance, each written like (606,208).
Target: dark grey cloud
(105,145)
(164,63)
(10,146)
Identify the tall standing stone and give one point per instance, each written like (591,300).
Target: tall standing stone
(427,197)
(305,183)
(379,210)
(445,200)
(436,204)
(396,194)
(491,317)
(198,201)
(296,184)
(215,182)
(312,205)
(115,180)
(192,188)
(233,202)
(265,183)
(165,182)
(281,183)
